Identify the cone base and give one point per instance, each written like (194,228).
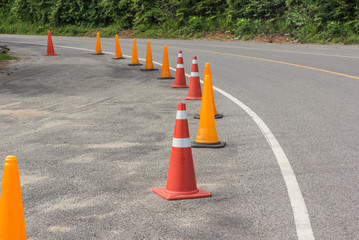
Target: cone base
(197,116)
(50,54)
(172,196)
(98,54)
(166,78)
(135,64)
(151,69)
(179,86)
(116,58)
(192,98)
(219,144)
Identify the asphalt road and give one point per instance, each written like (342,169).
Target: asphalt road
(98,137)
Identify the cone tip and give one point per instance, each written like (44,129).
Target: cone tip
(181,106)
(10,159)
(180,52)
(194,58)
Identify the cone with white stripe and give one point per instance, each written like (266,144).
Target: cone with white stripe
(180,78)
(194,90)
(181,178)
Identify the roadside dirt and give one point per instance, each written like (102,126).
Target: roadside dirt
(273,38)
(256,38)
(126,33)
(6,67)
(218,36)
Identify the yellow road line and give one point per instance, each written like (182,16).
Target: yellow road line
(274,61)
(256,58)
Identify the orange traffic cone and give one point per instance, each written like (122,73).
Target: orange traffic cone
(207,133)
(98,50)
(12,221)
(134,58)
(194,91)
(50,46)
(180,78)
(181,178)
(165,73)
(149,62)
(207,71)
(118,52)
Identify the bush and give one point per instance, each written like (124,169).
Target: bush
(310,19)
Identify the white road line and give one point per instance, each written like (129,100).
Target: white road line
(300,212)
(211,45)
(301,217)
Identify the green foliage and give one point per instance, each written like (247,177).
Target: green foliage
(352,39)
(305,20)
(4,56)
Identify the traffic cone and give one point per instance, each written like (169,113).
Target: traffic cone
(12,221)
(134,58)
(118,52)
(149,63)
(194,90)
(207,71)
(50,46)
(207,133)
(181,178)
(98,50)
(180,78)
(165,73)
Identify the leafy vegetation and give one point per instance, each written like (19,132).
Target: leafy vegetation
(304,20)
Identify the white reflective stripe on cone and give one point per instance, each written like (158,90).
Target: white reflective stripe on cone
(180,66)
(180,55)
(181,142)
(194,74)
(195,61)
(181,114)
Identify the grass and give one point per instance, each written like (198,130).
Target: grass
(353,39)
(4,57)
(245,31)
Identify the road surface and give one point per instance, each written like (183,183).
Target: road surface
(290,170)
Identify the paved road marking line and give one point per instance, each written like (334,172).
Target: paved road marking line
(249,57)
(211,45)
(274,61)
(301,217)
(300,212)
(272,50)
